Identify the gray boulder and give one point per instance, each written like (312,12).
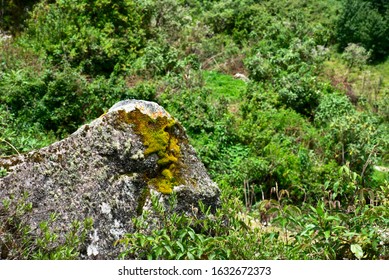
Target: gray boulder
(107,171)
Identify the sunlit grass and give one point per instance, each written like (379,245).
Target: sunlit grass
(222,85)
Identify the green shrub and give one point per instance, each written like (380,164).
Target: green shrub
(19,241)
(194,109)
(366,23)
(288,65)
(164,19)
(13,14)
(97,36)
(178,236)
(333,106)
(327,234)
(355,139)
(16,134)
(62,100)
(158,59)
(240,19)
(300,92)
(355,56)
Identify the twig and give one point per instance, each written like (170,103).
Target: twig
(367,162)
(212,58)
(12,146)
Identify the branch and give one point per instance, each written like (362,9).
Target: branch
(12,146)
(367,161)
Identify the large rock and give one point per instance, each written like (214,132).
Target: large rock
(106,171)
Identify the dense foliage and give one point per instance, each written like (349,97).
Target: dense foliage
(97,36)
(13,14)
(298,147)
(365,22)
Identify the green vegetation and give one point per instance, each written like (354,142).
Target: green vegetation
(301,146)
(19,241)
(365,22)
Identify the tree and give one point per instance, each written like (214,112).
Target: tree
(365,23)
(355,56)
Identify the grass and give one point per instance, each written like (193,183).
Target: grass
(383,69)
(222,85)
(225,86)
(370,83)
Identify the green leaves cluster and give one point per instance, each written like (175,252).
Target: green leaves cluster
(16,134)
(287,61)
(181,236)
(59,100)
(365,22)
(96,36)
(305,232)
(14,13)
(336,235)
(19,241)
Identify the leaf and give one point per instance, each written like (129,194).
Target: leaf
(190,256)
(165,236)
(169,250)
(192,234)
(320,210)
(293,210)
(332,218)
(357,250)
(142,241)
(308,228)
(200,238)
(158,252)
(179,256)
(179,244)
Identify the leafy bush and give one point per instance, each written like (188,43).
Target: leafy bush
(289,65)
(194,109)
(281,142)
(173,237)
(16,137)
(326,234)
(306,232)
(356,140)
(158,59)
(19,241)
(366,23)
(355,56)
(300,92)
(219,236)
(164,19)
(333,106)
(237,18)
(13,14)
(97,36)
(62,100)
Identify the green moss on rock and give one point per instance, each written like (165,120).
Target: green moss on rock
(157,137)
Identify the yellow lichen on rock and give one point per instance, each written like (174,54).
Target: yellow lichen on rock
(158,139)
(167,174)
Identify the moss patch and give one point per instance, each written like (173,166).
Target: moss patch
(158,139)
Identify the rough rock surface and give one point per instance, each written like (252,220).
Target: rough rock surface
(106,171)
